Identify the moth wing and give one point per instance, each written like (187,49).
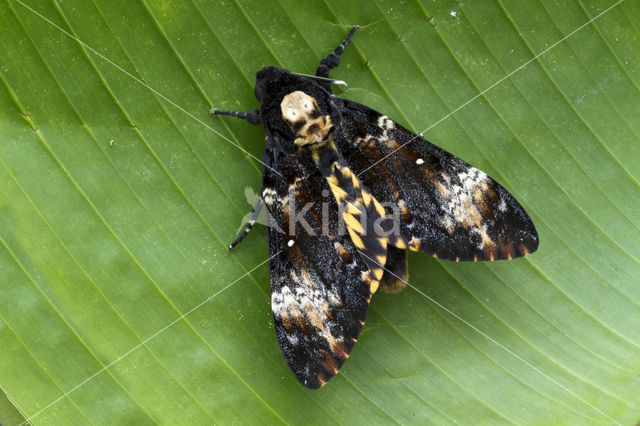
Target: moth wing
(446,207)
(320,286)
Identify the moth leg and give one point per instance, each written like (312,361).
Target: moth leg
(252,221)
(396,271)
(332,60)
(253,116)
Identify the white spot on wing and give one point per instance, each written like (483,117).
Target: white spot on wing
(447,222)
(293,339)
(385,124)
(290,243)
(419,161)
(462,198)
(334,298)
(277,300)
(269,195)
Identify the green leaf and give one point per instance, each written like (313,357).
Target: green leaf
(119,193)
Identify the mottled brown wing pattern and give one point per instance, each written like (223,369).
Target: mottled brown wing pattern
(320,286)
(447,207)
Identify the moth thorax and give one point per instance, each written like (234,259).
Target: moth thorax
(302,113)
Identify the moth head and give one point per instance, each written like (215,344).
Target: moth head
(270,81)
(295,109)
(304,116)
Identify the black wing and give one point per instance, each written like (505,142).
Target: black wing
(320,286)
(447,207)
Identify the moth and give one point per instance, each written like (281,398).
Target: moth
(348,192)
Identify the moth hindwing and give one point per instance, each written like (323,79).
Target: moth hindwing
(347,192)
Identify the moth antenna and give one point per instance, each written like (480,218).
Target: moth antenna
(315,77)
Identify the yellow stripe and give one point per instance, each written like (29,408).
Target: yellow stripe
(366,197)
(338,192)
(399,243)
(377,273)
(378,207)
(353,223)
(357,241)
(353,209)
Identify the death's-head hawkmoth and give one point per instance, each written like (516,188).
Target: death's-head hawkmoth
(348,192)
